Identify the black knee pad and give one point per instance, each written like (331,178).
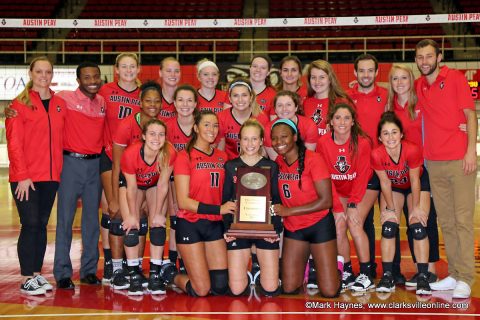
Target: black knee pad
(189,289)
(419,232)
(389,229)
(266,293)
(116,227)
(143,226)
(173,222)
(219,282)
(105,221)
(245,292)
(158,236)
(131,238)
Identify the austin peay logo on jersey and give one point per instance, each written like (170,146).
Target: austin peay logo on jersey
(342,165)
(317,115)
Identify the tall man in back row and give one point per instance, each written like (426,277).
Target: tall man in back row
(446,102)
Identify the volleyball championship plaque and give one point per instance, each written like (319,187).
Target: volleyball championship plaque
(252,219)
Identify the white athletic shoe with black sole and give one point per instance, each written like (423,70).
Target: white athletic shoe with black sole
(362,283)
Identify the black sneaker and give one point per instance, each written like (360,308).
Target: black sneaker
(255,272)
(155,284)
(387,283)
(423,287)
(32,288)
(119,281)
(168,271)
(136,287)
(412,282)
(107,271)
(348,279)
(399,279)
(362,283)
(312,278)
(144,279)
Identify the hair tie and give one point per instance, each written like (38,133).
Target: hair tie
(239,83)
(288,122)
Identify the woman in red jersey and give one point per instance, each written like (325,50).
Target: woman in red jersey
(306,193)
(199,174)
(290,77)
(179,132)
(122,99)
(399,166)
(170,74)
(402,100)
(260,66)
(287,106)
(146,169)
(267,250)
(230,120)
(129,131)
(324,90)
(347,153)
(35,144)
(209,97)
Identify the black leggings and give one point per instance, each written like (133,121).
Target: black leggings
(34,215)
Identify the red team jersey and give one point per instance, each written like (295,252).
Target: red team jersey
(350,174)
(317,110)
(120,104)
(293,196)
(203,169)
(306,127)
(215,104)
(128,131)
(133,162)
(230,130)
(168,110)
(370,108)
(443,105)
(265,100)
(176,136)
(412,128)
(398,173)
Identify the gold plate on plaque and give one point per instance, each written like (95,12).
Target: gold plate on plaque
(252,208)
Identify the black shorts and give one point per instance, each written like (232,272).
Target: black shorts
(424,184)
(105,162)
(201,231)
(239,244)
(122,183)
(322,231)
(374,183)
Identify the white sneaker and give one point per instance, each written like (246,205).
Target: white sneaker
(447,283)
(462,290)
(42,282)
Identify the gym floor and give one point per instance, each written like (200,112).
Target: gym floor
(102,302)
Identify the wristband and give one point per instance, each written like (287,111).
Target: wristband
(204,208)
(390,210)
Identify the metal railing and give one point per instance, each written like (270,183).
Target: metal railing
(65,48)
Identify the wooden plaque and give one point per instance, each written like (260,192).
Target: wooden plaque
(252,219)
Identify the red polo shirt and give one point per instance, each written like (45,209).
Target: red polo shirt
(84,122)
(370,107)
(443,103)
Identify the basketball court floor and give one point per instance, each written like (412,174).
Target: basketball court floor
(101,302)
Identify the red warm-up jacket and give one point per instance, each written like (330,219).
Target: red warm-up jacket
(35,139)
